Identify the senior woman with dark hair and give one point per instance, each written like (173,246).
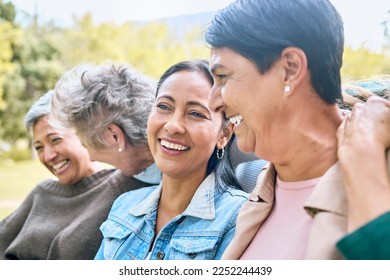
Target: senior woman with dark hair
(191,214)
(276,66)
(108,106)
(60,219)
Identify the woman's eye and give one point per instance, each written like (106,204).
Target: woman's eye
(56,140)
(197,114)
(220,77)
(162,106)
(38,148)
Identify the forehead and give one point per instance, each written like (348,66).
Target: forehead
(223,57)
(42,128)
(185,83)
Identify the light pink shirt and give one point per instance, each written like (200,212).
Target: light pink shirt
(284,234)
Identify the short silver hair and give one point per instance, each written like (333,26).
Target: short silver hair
(39,109)
(90,97)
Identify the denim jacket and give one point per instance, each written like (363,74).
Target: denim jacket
(201,232)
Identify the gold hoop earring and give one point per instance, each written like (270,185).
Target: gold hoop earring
(220,154)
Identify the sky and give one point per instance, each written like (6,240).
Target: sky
(362,18)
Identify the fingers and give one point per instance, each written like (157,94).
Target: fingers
(341,130)
(345,112)
(370,122)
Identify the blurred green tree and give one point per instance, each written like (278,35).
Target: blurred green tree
(29,67)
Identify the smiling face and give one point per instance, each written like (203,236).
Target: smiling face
(250,100)
(61,152)
(182,130)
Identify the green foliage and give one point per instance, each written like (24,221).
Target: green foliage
(7,11)
(36,70)
(149,47)
(16,153)
(362,63)
(29,67)
(9,35)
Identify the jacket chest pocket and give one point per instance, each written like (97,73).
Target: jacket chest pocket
(194,247)
(120,242)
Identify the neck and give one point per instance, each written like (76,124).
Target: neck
(133,160)
(312,146)
(175,197)
(93,168)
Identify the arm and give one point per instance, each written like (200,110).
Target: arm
(363,139)
(11,226)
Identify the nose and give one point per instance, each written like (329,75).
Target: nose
(175,124)
(215,99)
(49,153)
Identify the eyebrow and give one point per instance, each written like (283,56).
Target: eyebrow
(36,142)
(167,97)
(191,103)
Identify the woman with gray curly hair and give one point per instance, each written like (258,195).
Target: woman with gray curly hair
(108,105)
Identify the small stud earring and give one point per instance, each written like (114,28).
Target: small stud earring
(287,89)
(120,150)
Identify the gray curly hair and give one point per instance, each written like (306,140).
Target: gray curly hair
(360,91)
(39,109)
(90,97)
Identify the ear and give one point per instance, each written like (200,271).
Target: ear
(226,134)
(294,62)
(114,137)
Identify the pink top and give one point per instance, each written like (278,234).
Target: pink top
(284,234)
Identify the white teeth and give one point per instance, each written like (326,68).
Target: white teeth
(173,146)
(236,120)
(60,164)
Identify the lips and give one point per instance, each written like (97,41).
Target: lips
(174,146)
(59,167)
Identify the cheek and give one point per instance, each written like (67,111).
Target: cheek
(207,139)
(231,95)
(41,158)
(152,128)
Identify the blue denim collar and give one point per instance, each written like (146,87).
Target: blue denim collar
(151,175)
(201,205)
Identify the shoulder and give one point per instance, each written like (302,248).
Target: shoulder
(133,197)
(248,172)
(121,183)
(46,185)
